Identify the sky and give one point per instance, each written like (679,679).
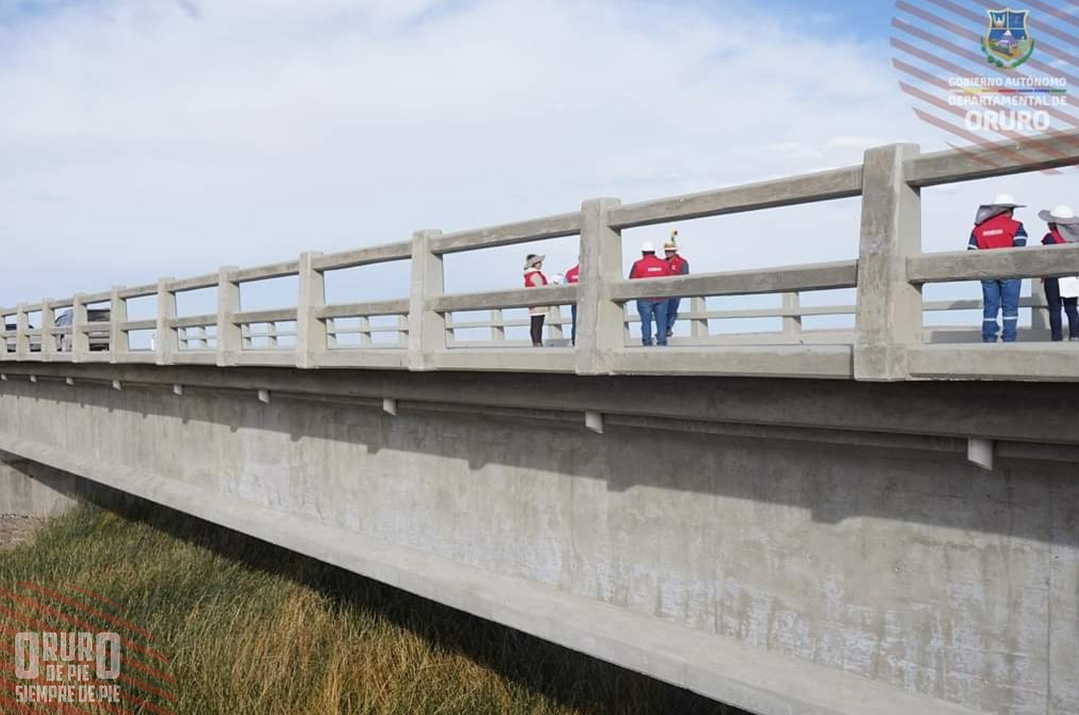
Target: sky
(149,138)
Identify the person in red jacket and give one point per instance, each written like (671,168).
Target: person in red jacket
(679,267)
(573,275)
(995,227)
(534,278)
(649,266)
(1060,292)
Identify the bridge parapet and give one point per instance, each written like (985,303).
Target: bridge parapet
(889,340)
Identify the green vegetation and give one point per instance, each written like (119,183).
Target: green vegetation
(249,628)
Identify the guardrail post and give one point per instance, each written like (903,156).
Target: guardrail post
(80,341)
(228,304)
(22,337)
(889,312)
(792,324)
(311,340)
(498,330)
(166,337)
(426,328)
(1039,313)
(48,322)
(118,345)
(698,327)
(600,321)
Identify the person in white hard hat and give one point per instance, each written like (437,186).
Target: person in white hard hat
(995,227)
(650,266)
(679,267)
(1062,292)
(534,278)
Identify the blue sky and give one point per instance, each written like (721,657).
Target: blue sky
(175,140)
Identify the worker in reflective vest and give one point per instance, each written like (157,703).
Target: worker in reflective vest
(679,267)
(573,275)
(1062,292)
(650,266)
(996,227)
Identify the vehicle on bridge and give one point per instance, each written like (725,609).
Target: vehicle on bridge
(98,342)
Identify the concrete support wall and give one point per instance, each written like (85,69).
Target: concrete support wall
(29,489)
(759,565)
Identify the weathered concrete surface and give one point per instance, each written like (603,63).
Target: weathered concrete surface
(28,489)
(764,568)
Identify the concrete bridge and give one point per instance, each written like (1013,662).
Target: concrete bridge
(884,520)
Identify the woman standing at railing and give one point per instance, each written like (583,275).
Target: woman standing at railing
(1062,292)
(534,278)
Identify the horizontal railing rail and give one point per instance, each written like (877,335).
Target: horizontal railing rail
(874,337)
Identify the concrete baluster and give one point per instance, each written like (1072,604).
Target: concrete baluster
(498,328)
(22,336)
(311,335)
(166,337)
(698,327)
(118,344)
(600,320)
(48,322)
(889,312)
(228,304)
(80,340)
(792,324)
(426,328)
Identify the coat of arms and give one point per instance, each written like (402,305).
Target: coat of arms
(1008,43)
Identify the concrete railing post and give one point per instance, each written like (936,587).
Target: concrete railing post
(22,336)
(600,321)
(889,312)
(792,324)
(498,330)
(426,328)
(166,338)
(80,341)
(698,327)
(311,340)
(118,345)
(48,322)
(228,304)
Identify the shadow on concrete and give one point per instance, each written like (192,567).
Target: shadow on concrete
(569,678)
(1030,499)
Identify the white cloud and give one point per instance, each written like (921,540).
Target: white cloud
(144,138)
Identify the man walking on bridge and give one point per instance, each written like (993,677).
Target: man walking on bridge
(649,266)
(996,227)
(679,267)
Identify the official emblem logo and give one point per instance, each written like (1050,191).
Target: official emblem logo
(1008,43)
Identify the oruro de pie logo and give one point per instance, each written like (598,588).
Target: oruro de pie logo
(1008,43)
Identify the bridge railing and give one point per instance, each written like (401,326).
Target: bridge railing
(889,339)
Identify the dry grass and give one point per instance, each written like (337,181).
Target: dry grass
(249,628)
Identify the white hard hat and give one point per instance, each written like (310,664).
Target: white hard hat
(647,247)
(1005,201)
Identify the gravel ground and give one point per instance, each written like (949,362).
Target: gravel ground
(15,530)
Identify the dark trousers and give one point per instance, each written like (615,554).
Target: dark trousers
(1052,296)
(537,329)
(573,331)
